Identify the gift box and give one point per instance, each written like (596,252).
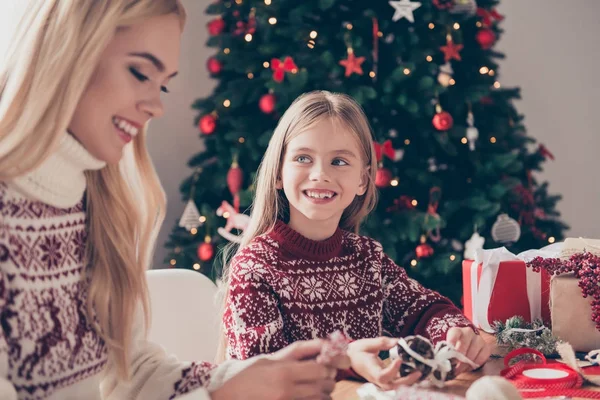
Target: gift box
(570,311)
(498,285)
(571,314)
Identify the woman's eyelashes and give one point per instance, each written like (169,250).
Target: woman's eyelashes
(143,78)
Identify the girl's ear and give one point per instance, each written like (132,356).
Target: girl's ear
(364,180)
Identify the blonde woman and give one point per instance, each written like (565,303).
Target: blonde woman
(80,204)
(302,270)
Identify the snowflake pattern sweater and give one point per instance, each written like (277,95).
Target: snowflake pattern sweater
(284,288)
(48,349)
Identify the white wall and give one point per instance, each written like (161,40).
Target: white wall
(552,54)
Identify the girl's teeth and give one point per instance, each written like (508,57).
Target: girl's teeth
(320,195)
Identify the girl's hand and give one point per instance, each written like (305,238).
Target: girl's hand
(364,356)
(472,345)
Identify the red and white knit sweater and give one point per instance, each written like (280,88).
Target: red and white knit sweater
(285,287)
(48,349)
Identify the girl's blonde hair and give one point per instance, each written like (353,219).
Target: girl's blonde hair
(270,203)
(54,51)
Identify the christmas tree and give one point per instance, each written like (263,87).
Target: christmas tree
(456,164)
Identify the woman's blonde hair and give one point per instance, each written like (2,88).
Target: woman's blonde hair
(270,203)
(54,52)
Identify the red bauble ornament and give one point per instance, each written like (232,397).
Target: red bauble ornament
(235,178)
(383,177)
(267,103)
(424,250)
(207,124)
(216,26)
(206,251)
(486,38)
(214,66)
(442,121)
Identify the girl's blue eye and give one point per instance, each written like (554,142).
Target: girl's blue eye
(339,162)
(302,159)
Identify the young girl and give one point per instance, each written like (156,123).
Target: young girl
(79,207)
(302,271)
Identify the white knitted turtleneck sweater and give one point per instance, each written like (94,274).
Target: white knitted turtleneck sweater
(60,180)
(48,349)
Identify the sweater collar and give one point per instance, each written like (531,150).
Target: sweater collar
(298,245)
(60,180)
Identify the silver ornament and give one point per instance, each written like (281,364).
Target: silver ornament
(468,7)
(191,217)
(506,229)
(445,74)
(472,132)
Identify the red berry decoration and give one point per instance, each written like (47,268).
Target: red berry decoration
(444,4)
(206,250)
(216,26)
(442,121)
(486,38)
(383,177)
(207,124)
(267,103)
(402,203)
(214,66)
(486,100)
(424,250)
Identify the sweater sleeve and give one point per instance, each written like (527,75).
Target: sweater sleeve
(411,309)
(7,390)
(252,321)
(154,375)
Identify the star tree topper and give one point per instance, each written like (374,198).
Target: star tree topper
(404,9)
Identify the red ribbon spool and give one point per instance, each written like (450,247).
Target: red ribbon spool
(530,375)
(539,379)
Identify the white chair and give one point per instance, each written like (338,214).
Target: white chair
(185,316)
